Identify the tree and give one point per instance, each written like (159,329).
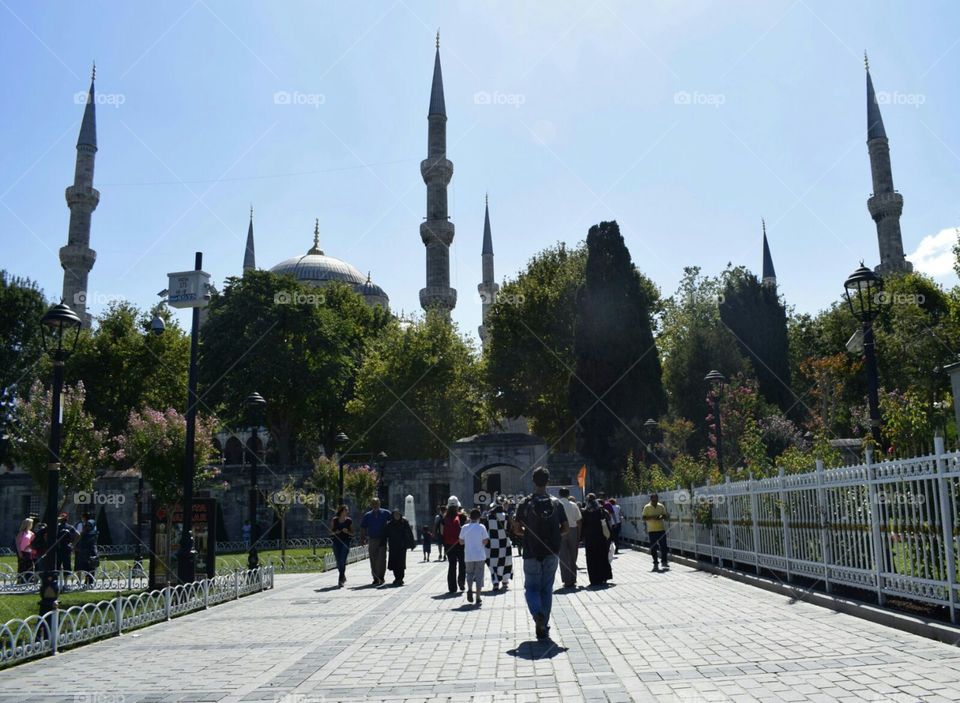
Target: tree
(617,383)
(758,320)
(325,480)
(417,390)
(361,482)
(299,347)
(83,446)
(21,307)
(530,349)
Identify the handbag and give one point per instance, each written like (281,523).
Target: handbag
(604,527)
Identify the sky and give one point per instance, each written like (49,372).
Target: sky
(685,122)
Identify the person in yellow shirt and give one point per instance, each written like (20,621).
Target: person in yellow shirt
(655,516)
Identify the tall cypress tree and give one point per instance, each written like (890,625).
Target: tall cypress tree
(617,381)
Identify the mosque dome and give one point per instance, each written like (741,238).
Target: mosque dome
(317,269)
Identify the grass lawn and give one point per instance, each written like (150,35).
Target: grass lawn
(21,606)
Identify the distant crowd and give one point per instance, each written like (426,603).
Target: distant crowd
(75,546)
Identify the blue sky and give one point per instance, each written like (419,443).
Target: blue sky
(685,122)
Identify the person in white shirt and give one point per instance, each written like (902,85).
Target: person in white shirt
(474,538)
(616,524)
(569,546)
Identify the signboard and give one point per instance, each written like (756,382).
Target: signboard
(166,527)
(188,289)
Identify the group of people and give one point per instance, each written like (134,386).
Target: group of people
(75,546)
(547,531)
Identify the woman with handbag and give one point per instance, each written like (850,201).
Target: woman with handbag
(400,538)
(596,540)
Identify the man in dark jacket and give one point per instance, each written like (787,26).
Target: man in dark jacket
(67,536)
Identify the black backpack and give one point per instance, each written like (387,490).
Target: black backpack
(542,525)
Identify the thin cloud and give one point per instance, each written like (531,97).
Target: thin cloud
(934,255)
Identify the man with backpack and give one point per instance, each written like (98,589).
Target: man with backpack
(543,523)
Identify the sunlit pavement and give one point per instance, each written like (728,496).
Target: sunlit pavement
(683,635)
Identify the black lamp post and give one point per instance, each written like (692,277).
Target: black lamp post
(381,465)
(863,292)
(255,405)
(342,440)
(717,381)
(157,328)
(60,331)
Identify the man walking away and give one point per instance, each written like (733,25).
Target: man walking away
(451,542)
(474,540)
(67,537)
(438,531)
(616,523)
(371,533)
(654,517)
(543,521)
(569,547)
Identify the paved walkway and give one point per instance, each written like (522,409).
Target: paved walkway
(678,636)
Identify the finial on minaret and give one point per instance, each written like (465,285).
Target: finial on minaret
(93,73)
(251,211)
(763,224)
(866,61)
(316,232)
(368,278)
(438,39)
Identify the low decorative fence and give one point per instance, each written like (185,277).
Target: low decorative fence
(37,635)
(354,555)
(106,578)
(889,527)
(113,550)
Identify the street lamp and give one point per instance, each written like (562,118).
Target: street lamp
(342,440)
(717,382)
(863,291)
(60,330)
(255,405)
(381,465)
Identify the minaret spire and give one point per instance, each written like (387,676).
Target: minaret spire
(315,249)
(886,204)
(488,287)
(77,258)
(249,258)
(769,275)
(437,231)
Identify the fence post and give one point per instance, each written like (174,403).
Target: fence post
(130,579)
(236,584)
(784,515)
(826,551)
(54,630)
(118,613)
(946,523)
(206,594)
(729,508)
(754,520)
(260,572)
(874,513)
(167,597)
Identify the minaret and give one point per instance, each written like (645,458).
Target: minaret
(769,275)
(885,204)
(82,198)
(488,287)
(437,231)
(249,259)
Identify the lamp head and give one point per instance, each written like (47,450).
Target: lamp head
(863,289)
(715,378)
(60,330)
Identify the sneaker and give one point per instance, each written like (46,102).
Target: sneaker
(478,600)
(496,587)
(666,566)
(470,596)
(541,626)
(655,568)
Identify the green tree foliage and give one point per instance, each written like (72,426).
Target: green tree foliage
(324,480)
(360,482)
(21,307)
(82,444)
(617,383)
(299,347)
(128,368)
(417,390)
(758,320)
(530,350)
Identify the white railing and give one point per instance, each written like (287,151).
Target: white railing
(106,578)
(889,527)
(354,555)
(39,635)
(111,550)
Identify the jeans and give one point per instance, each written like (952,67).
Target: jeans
(340,552)
(377,549)
(658,542)
(455,560)
(538,577)
(568,557)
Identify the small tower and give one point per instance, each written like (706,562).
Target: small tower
(77,257)
(249,258)
(488,287)
(437,230)
(769,275)
(885,205)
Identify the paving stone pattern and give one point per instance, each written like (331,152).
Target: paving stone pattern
(679,636)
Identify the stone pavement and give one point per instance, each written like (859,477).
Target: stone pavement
(679,636)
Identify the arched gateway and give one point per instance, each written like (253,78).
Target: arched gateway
(485,464)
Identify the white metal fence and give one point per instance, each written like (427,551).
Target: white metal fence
(354,555)
(39,635)
(889,527)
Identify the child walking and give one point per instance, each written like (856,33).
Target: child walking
(475,539)
(426,536)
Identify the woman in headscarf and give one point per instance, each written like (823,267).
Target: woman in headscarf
(400,538)
(500,554)
(596,541)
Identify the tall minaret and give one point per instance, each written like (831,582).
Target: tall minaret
(488,287)
(885,204)
(437,231)
(82,198)
(249,260)
(769,275)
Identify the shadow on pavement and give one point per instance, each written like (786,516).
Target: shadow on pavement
(445,596)
(328,588)
(537,649)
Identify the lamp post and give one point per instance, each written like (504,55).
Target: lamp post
(255,405)
(381,465)
(60,328)
(863,291)
(342,440)
(717,381)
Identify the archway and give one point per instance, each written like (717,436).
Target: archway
(501,462)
